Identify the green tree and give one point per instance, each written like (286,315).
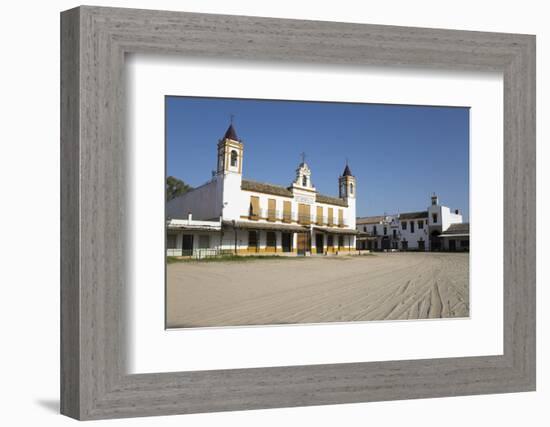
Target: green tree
(175,187)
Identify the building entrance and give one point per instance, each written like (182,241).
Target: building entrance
(303,243)
(319,243)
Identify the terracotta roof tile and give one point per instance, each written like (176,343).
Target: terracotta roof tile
(279,190)
(320,198)
(463,228)
(261,187)
(370,219)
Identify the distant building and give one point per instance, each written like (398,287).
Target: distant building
(437,228)
(189,236)
(232,214)
(377,232)
(456,237)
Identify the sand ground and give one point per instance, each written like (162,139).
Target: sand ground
(384,286)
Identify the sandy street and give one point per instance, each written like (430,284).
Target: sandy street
(385,286)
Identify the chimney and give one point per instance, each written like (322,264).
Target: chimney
(189,216)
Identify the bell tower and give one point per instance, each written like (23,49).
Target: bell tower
(347,184)
(303,175)
(302,185)
(347,191)
(229,174)
(230,153)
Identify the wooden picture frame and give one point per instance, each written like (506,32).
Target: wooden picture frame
(94,41)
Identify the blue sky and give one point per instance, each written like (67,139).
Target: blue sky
(399,154)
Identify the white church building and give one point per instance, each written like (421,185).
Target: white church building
(230,214)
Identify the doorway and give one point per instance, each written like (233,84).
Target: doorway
(435,241)
(271,242)
(330,243)
(319,246)
(286,242)
(253,241)
(187,245)
(303,243)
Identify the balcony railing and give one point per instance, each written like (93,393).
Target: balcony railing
(273,215)
(305,219)
(276,215)
(320,220)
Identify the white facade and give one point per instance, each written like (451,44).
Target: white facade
(410,230)
(414,231)
(264,218)
(203,202)
(442,216)
(201,236)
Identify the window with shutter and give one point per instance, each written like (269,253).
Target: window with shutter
(287,211)
(254,207)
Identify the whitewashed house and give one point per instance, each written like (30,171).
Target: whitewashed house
(440,219)
(377,232)
(428,230)
(232,214)
(413,231)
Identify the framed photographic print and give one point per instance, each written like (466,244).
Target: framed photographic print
(244,252)
(261,213)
